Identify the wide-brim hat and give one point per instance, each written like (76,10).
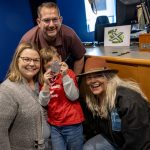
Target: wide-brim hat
(96,64)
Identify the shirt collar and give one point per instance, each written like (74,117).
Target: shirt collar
(57,42)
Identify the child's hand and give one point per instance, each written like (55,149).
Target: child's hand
(47,77)
(64,68)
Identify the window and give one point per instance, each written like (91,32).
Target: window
(104,7)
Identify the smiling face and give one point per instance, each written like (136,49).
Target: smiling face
(96,83)
(29,63)
(49,22)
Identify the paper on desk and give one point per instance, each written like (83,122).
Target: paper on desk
(117,36)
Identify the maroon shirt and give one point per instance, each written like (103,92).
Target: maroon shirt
(67,43)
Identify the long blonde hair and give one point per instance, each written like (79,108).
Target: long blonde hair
(101,107)
(13,73)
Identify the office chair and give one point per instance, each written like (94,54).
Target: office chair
(102,20)
(100,23)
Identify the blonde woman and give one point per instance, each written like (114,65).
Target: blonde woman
(21,118)
(117,112)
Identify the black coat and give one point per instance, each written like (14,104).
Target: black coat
(134,113)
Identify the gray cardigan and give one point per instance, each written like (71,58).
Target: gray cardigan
(20,117)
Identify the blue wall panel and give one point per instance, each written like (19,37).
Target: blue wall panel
(16,19)
(73,13)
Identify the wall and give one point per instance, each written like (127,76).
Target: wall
(73,13)
(16,19)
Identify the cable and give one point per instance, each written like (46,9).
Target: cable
(93,6)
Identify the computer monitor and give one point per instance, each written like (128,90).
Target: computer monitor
(147,2)
(126,12)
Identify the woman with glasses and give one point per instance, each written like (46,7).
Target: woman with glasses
(117,112)
(51,32)
(21,116)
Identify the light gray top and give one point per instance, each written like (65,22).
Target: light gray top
(20,117)
(71,91)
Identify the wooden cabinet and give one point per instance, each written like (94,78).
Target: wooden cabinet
(144,79)
(135,72)
(125,71)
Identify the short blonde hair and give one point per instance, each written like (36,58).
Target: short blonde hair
(48,53)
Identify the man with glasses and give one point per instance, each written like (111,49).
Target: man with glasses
(51,32)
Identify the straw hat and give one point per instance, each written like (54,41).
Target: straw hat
(96,64)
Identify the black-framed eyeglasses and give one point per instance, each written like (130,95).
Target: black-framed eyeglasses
(55,20)
(28,60)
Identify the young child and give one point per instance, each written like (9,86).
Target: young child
(61,94)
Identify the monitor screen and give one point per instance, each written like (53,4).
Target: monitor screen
(126,12)
(147,2)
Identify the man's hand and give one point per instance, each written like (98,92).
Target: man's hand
(78,66)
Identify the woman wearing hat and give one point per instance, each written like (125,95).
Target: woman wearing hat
(117,111)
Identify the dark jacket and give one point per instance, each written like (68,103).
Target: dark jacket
(134,113)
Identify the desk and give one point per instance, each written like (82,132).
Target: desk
(131,63)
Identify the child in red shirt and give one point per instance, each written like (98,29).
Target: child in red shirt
(60,94)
